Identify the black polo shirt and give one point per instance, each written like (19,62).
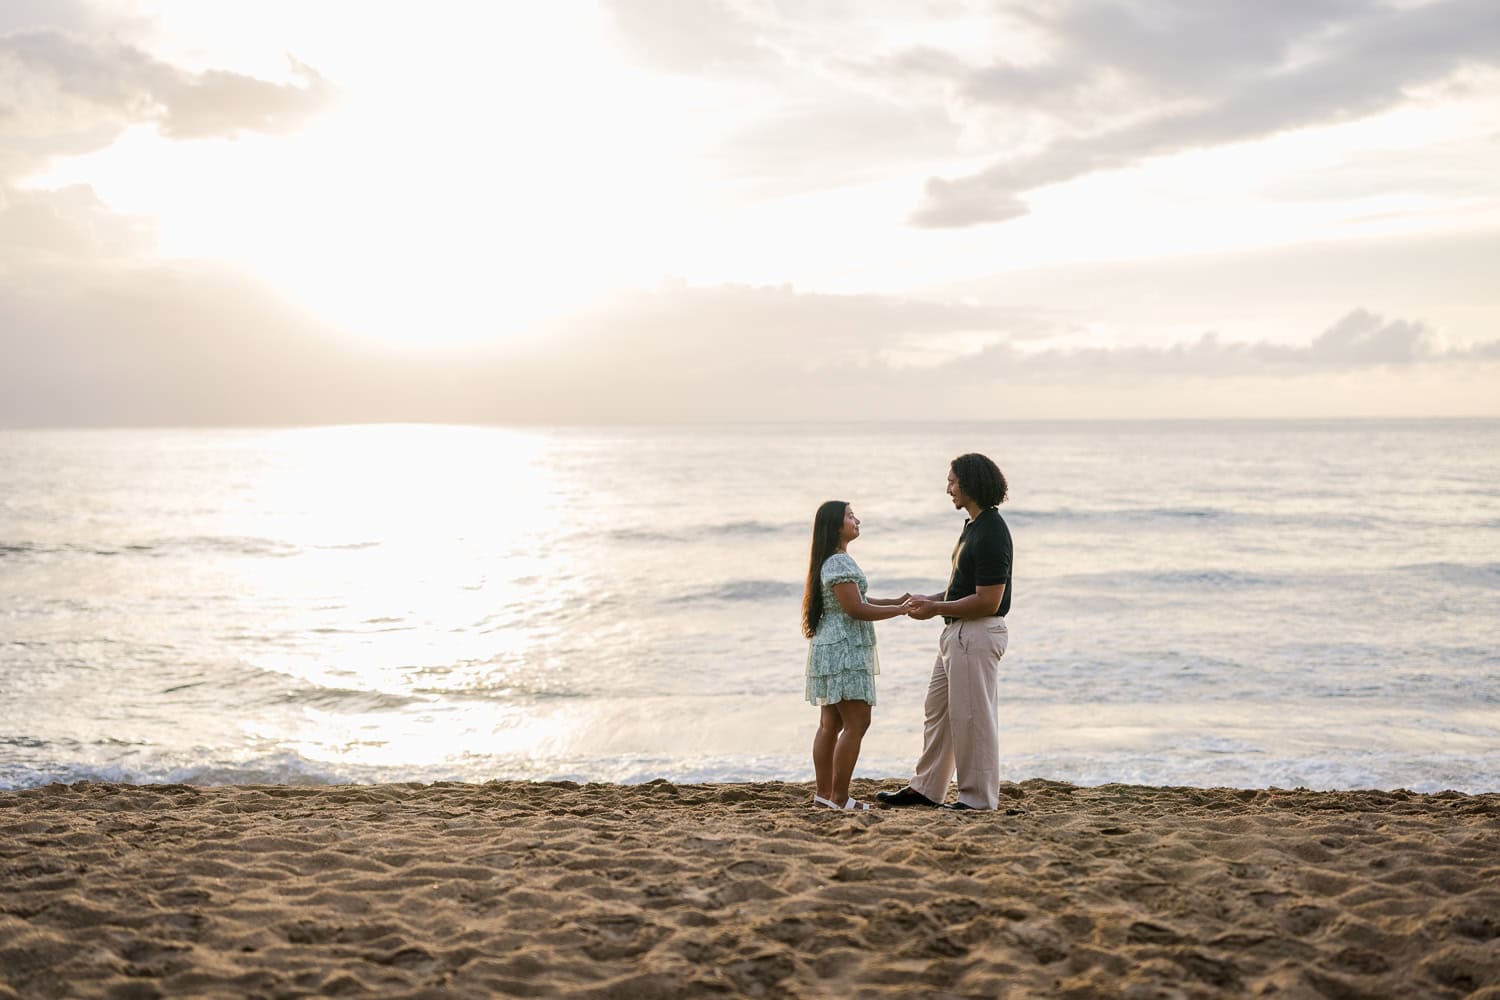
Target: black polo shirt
(981,558)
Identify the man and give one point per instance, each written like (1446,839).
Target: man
(962,727)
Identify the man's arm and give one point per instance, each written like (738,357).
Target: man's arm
(985,601)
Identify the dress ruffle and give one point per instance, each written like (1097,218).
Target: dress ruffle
(841,672)
(828,659)
(851,686)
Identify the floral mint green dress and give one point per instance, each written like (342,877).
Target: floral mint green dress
(841,660)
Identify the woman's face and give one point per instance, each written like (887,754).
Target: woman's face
(851,527)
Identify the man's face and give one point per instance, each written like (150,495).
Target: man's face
(955,492)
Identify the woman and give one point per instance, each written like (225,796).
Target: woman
(841,663)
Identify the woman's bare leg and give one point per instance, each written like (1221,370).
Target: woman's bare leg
(829,724)
(856,719)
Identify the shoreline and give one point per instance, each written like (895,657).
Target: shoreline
(664,890)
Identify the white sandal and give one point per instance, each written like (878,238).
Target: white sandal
(853,804)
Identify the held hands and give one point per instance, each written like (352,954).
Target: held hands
(912,606)
(920,608)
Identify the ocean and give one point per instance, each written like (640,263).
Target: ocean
(1245,604)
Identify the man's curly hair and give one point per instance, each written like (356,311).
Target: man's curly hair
(980,479)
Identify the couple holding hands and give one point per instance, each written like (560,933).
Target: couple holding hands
(961,725)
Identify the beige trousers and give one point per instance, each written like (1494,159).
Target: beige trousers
(962,727)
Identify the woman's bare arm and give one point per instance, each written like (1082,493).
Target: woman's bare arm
(858,608)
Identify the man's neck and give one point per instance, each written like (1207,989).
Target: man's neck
(974,510)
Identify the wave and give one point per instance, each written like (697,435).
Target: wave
(749,590)
(789,590)
(643,535)
(751,528)
(254,686)
(1214,579)
(346,700)
(156,548)
(1484,575)
(293,769)
(1193,514)
(274,769)
(1208,767)
(1211,764)
(697,533)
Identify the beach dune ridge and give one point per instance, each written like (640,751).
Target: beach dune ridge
(662,890)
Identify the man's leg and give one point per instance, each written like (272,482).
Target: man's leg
(935,767)
(974,710)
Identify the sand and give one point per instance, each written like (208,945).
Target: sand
(658,890)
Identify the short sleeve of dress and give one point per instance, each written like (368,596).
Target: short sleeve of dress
(840,568)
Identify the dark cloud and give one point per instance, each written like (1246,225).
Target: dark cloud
(1199,75)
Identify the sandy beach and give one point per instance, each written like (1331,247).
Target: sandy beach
(660,890)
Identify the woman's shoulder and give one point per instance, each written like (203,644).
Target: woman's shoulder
(839,564)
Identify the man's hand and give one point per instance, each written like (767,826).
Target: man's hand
(921,608)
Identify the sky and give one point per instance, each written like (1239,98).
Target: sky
(637,211)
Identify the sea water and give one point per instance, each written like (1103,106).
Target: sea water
(1230,603)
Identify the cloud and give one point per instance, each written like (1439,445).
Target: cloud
(789,111)
(1363,338)
(1359,341)
(850,137)
(69,223)
(69,94)
(198,345)
(92,326)
(1129,82)
(219,103)
(758,353)
(704,36)
(826,93)
(168,344)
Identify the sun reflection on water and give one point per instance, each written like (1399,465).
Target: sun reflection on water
(422,557)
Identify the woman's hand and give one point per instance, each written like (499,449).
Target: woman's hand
(921,608)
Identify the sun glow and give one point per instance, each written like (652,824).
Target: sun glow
(498,179)
(486,171)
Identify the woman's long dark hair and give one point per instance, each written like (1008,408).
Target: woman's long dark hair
(828,526)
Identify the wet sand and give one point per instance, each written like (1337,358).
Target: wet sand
(658,890)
